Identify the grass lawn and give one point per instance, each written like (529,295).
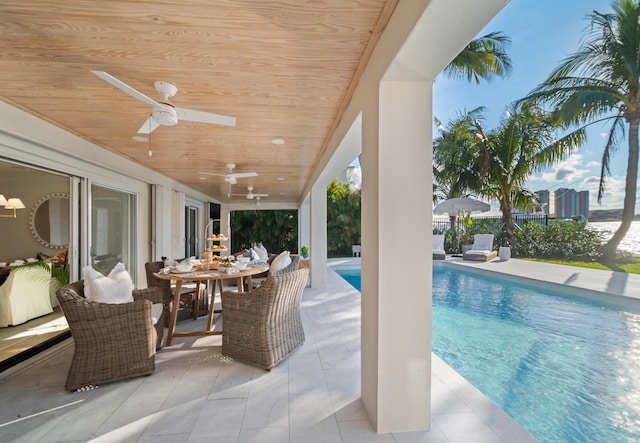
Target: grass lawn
(630,267)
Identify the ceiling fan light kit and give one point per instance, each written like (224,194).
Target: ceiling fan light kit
(165,116)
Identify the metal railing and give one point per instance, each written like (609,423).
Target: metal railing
(441,224)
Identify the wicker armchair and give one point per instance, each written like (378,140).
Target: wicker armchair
(264,326)
(112,341)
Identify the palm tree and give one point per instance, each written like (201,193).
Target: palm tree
(343,218)
(482,59)
(455,155)
(524,142)
(601,82)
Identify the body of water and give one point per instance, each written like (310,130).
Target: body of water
(567,369)
(630,243)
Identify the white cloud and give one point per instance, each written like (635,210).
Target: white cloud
(613,197)
(565,172)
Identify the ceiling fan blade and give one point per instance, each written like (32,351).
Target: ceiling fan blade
(205,117)
(245,174)
(148,126)
(212,173)
(126,88)
(261,195)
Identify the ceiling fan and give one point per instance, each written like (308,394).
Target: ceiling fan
(164,113)
(250,195)
(232,177)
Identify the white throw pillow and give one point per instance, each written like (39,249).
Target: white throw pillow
(280,262)
(262,252)
(116,287)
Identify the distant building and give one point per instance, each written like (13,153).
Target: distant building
(543,206)
(570,204)
(348,174)
(582,204)
(565,203)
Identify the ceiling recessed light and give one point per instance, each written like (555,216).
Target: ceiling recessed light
(140,138)
(278,141)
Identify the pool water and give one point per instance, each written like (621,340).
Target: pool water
(566,368)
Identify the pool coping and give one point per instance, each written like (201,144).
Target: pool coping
(615,288)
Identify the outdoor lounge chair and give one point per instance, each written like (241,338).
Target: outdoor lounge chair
(264,326)
(482,248)
(438,247)
(112,341)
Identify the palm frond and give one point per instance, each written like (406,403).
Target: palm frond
(616,132)
(482,59)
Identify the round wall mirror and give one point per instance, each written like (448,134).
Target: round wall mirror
(50,221)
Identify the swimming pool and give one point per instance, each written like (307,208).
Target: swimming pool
(566,368)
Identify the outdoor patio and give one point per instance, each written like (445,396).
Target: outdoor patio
(195,394)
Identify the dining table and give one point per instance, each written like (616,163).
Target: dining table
(216,277)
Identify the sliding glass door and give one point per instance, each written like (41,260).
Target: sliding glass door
(191,235)
(113,229)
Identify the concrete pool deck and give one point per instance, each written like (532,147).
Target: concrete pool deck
(197,395)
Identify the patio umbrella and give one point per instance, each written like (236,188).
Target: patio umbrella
(454,206)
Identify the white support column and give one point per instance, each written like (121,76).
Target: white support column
(177,224)
(396,265)
(304,223)
(225,227)
(318,246)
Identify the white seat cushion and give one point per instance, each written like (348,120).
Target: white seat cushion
(484,253)
(156,312)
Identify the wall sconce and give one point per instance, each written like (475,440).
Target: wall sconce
(12,203)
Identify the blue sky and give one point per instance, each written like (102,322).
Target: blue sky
(543,33)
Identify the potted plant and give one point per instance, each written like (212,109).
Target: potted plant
(304,251)
(466,237)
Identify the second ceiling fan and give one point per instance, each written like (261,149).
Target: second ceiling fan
(232,177)
(250,195)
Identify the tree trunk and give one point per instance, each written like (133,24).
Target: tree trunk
(610,248)
(508,226)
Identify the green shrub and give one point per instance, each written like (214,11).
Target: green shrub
(566,240)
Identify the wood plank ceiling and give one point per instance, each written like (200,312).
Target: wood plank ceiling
(285,69)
